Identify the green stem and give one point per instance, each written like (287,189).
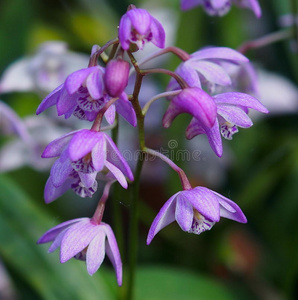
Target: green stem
(135,186)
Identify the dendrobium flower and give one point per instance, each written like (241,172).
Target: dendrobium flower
(195,210)
(83,95)
(193,101)
(232,109)
(83,154)
(221,7)
(138,27)
(44,70)
(85,240)
(209,67)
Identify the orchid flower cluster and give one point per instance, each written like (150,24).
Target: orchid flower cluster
(88,155)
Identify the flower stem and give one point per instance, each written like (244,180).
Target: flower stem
(135,186)
(153,99)
(266,40)
(183,178)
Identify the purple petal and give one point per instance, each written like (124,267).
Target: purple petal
(82,143)
(57,242)
(213,134)
(230,210)
(61,170)
(125,109)
(115,157)
(113,252)
(50,100)
(110,114)
(66,103)
(189,74)
(99,154)
(51,193)
(76,239)
(183,212)
(158,33)
(56,147)
(94,84)
(205,202)
(219,53)
(252,5)
(96,252)
(165,216)
(240,99)
(234,115)
(75,80)
(124,31)
(117,174)
(140,19)
(195,102)
(51,234)
(212,72)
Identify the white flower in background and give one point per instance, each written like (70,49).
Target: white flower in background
(43,71)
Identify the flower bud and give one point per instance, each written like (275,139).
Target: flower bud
(116,77)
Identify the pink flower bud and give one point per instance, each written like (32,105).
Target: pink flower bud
(116,77)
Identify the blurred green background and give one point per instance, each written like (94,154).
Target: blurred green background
(258,260)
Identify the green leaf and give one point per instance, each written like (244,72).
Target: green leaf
(173,284)
(22,222)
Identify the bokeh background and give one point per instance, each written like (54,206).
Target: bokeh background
(259,168)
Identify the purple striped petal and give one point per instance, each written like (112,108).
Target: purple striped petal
(140,19)
(96,252)
(240,99)
(117,174)
(75,80)
(76,239)
(56,147)
(183,212)
(219,53)
(50,100)
(165,216)
(125,109)
(124,31)
(99,154)
(66,103)
(110,114)
(82,143)
(229,209)
(234,115)
(60,171)
(113,252)
(158,33)
(94,84)
(205,202)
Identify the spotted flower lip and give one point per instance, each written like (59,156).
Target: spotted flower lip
(138,26)
(193,101)
(195,210)
(82,154)
(222,7)
(85,240)
(232,111)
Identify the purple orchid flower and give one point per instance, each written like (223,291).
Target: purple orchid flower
(232,109)
(193,101)
(195,210)
(138,27)
(82,154)
(209,66)
(221,7)
(85,240)
(83,95)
